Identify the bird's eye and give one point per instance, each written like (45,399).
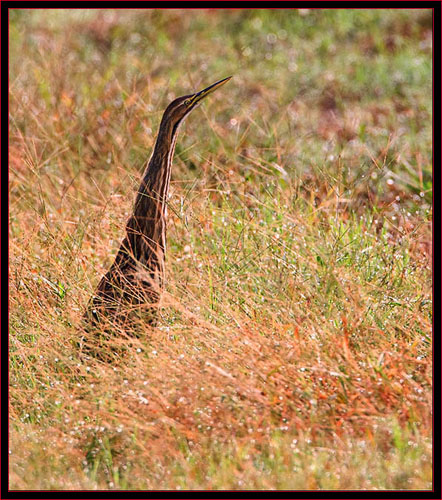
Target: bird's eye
(187,102)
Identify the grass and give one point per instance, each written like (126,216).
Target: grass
(294,346)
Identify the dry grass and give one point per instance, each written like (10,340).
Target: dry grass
(294,347)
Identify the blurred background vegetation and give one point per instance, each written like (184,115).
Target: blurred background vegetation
(363,75)
(299,265)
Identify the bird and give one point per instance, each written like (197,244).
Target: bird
(135,281)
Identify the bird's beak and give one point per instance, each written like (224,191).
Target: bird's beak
(203,93)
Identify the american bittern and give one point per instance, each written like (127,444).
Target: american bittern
(136,278)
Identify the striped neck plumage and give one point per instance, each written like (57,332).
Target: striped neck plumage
(150,209)
(160,165)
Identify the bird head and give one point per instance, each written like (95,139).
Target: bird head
(182,106)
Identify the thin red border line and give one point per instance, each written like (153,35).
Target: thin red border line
(215,2)
(432,223)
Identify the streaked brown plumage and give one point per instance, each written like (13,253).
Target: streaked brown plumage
(135,280)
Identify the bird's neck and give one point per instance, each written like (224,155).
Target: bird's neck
(148,221)
(154,188)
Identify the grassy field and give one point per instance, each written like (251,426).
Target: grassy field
(294,349)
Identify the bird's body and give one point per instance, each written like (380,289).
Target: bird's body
(134,283)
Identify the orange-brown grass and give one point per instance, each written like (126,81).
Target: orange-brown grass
(293,349)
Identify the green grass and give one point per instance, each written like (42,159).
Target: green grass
(294,346)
